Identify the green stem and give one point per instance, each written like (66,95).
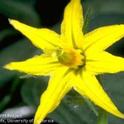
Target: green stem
(102,117)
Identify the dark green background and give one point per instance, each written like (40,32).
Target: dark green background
(18,89)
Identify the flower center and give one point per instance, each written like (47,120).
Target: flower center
(71,57)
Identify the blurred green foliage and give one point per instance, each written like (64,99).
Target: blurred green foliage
(18,89)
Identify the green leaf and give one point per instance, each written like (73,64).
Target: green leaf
(4,102)
(32,89)
(20,50)
(91,106)
(7,98)
(31,2)
(19,11)
(73,114)
(104,6)
(5,33)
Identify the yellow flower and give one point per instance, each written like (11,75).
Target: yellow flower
(72,60)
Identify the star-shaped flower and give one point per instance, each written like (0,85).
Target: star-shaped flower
(72,59)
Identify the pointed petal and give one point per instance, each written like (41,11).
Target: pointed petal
(101,38)
(88,86)
(71,27)
(38,65)
(57,88)
(104,62)
(41,38)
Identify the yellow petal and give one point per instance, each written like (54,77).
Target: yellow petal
(104,62)
(57,88)
(88,86)
(41,38)
(71,27)
(102,38)
(38,65)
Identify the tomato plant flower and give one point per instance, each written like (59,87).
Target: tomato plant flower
(72,59)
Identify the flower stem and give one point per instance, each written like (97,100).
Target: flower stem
(102,117)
